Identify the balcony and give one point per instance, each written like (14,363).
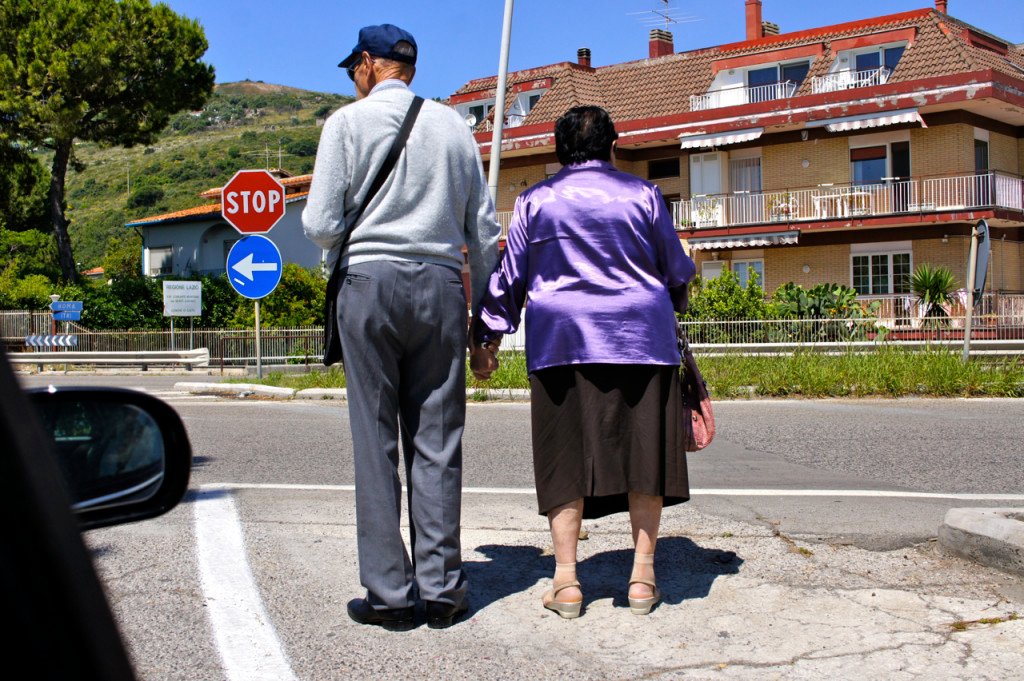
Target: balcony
(833,202)
(845,80)
(737,96)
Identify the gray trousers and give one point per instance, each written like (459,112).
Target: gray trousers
(403,330)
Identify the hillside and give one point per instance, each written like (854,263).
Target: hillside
(243,125)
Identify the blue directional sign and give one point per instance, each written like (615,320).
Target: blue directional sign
(70,316)
(254,266)
(66,306)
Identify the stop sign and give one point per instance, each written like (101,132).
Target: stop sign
(252,201)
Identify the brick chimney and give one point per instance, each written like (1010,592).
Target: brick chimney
(583,56)
(754,30)
(942,6)
(660,43)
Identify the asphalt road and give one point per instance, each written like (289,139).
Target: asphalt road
(932,446)
(271,508)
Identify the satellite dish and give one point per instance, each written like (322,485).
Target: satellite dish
(470,120)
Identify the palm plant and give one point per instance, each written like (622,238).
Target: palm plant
(934,287)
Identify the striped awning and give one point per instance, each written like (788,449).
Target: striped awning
(719,139)
(746,241)
(872,120)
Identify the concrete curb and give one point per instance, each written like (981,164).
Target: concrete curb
(322,394)
(255,389)
(236,390)
(990,536)
(497,394)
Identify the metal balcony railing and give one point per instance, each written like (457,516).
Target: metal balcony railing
(736,96)
(833,202)
(844,80)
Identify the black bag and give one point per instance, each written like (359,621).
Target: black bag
(332,335)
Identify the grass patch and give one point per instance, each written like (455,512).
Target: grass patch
(961,625)
(888,372)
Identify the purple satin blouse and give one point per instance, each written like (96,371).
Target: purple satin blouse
(593,256)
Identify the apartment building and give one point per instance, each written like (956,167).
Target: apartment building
(847,153)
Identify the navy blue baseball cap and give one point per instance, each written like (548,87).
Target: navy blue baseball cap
(380,41)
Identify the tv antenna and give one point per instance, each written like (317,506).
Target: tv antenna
(667,14)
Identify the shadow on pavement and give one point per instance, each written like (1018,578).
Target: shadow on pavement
(685,571)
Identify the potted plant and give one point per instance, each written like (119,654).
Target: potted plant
(780,207)
(934,287)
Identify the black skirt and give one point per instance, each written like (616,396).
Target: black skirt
(601,431)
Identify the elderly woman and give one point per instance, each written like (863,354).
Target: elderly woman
(594,259)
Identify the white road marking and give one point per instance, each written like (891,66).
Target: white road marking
(878,493)
(246,640)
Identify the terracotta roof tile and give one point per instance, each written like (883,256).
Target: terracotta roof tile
(195,213)
(651,88)
(286,182)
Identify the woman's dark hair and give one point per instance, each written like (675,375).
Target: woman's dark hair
(584,133)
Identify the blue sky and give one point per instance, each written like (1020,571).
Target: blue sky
(299,43)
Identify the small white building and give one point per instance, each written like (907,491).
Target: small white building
(196,240)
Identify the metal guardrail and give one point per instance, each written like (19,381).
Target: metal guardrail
(144,359)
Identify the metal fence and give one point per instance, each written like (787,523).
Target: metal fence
(996,319)
(879,330)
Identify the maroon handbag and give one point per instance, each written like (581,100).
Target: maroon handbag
(697,417)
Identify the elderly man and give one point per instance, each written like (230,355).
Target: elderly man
(402,318)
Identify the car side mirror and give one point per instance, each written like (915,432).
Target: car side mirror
(125,455)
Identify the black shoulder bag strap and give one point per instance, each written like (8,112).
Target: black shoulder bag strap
(332,344)
(385,170)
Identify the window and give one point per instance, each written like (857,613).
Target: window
(876,274)
(887,57)
(869,164)
(480,111)
(795,73)
(746,269)
(663,167)
(228,243)
(711,269)
(160,261)
(760,81)
(521,107)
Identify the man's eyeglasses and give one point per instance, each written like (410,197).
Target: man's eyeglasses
(351,70)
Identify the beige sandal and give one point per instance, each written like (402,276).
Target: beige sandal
(565,609)
(643,606)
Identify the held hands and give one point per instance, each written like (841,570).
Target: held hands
(483,359)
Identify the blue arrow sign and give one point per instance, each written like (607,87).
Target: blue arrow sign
(69,316)
(254,266)
(66,306)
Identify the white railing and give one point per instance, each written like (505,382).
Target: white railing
(831,202)
(844,80)
(504,219)
(736,96)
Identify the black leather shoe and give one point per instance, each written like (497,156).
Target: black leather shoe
(444,615)
(395,619)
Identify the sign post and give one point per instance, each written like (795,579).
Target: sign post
(254,270)
(182,299)
(977,270)
(252,202)
(65,311)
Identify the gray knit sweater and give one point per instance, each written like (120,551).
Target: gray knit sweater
(434,202)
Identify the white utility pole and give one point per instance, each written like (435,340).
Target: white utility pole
(499,103)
